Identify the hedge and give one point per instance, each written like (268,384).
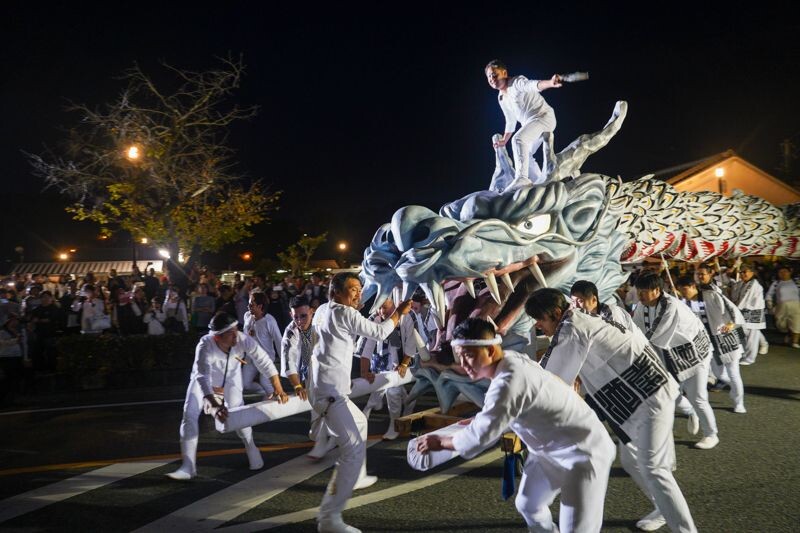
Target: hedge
(98,361)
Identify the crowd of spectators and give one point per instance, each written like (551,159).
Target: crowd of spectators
(36,310)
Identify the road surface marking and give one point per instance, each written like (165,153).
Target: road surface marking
(373,497)
(225,505)
(56,492)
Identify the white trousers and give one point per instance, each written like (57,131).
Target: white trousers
(249,375)
(348,425)
(583,493)
(190,427)
(730,373)
(649,458)
(526,142)
(696,399)
(754,338)
(395,398)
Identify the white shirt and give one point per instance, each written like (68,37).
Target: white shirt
(749,297)
(332,360)
(210,363)
(292,348)
(620,371)
(522,102)
(550,418)
(265,331)
(783,291)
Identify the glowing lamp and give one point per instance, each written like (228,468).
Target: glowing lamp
(719,172)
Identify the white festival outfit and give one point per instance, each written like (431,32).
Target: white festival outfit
(749,298)
(215,372)
(331,364)
(685,349)
(266,332)
(715,311)
(569,449)
(786,298)
(523,103)
(384,356)
(628,387)
(296,349)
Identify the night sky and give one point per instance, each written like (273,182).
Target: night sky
(367,109)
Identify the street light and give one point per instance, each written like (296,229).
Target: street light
(719,172)
(164,253)
(144,240)
(133,153)
(63,256)
(342,246)
(247,256)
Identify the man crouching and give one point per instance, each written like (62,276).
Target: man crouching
(216,385)
(569,449)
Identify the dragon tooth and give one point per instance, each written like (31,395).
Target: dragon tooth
(538,274)
(470,287)
(507,280)
(408,289)
(489,319)
(441,301)
(491,282)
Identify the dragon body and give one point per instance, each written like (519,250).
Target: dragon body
(482,255)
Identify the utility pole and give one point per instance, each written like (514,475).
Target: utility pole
(788,154)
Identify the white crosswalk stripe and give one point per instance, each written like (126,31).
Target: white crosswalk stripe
(36,499)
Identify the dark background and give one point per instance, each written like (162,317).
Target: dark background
(366,107)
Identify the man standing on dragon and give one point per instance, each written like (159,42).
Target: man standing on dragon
(521,101)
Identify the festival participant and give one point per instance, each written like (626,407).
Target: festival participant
(783,298)
(521,101)
(723,322)
(685,349)
(216,385)
(748,295)
(337,322)
(298,343)
(585,296)
(569,449)
(263,328)
(627,386)
(395,353)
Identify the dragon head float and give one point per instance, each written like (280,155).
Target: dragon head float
(482,255)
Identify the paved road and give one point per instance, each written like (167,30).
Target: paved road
(102,469)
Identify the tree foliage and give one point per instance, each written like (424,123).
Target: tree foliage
(296,257)
(155,162)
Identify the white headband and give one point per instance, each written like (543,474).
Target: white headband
(477,342)
(225,329)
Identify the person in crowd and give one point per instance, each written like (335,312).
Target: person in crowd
(123,314)
(628,387)
(154,318)
(685,348)
(139,306)
(748,294)
(216,385)
(336,323)
(225,301)
(241,298)
(72,319)
(569,450)
(262,327)
(31,301)
(13,355)
(203,307)
(177,320)
(151,284)
(278,306)
(783,299)
(585,296)
(93,317)
(46,322)
(723,322)
(521,101)
(395,353)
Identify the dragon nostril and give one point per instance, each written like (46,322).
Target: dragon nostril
(420,233)
(389,237)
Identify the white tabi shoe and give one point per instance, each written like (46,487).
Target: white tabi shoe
(655,520)
(335,524)
(739,409)
(254,457)
(706,443)
(391,433)
(763,349)
(693,424)
(181,474)
(745,362)
(365,481)
(321,448)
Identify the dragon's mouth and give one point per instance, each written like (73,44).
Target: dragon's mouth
(499,302)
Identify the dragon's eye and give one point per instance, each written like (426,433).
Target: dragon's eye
(535,225)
